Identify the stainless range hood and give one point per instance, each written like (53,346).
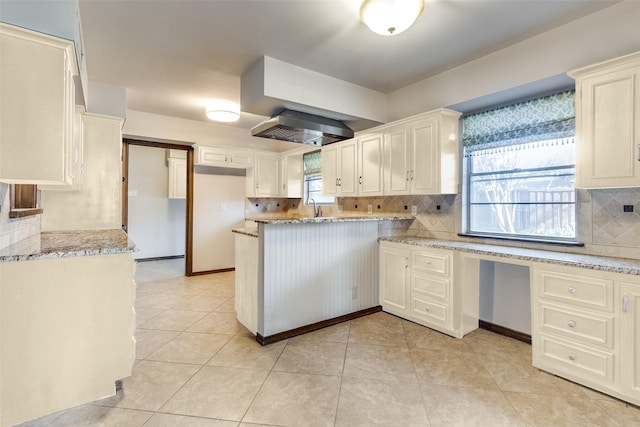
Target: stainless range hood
(294,126)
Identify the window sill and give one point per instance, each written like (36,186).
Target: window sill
(21,213)
(523,240)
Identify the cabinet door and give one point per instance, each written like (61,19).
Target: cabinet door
(370,165)
(425,160)
(348,168)
(630,338)
(330,170)
(267,175)
(177,178)
(37,104)
(239,159)
(293,176)
(394,280)
(211,156)
(608,129)
(396,166)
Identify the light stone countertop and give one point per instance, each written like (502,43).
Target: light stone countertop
(64,244)
(326,219)
(614,265)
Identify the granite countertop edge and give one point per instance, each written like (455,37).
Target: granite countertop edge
(593,262)
(252,232)
(68,244)
(329,219)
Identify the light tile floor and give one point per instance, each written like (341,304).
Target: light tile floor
(197,366)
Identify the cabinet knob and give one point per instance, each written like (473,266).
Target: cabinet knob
(572,357)
(571,290)
(427,309)
(572,324)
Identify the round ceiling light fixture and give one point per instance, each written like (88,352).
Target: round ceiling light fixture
(390,17)
(220,110)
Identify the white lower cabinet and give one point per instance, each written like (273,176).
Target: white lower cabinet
(416,283)
(394,279)
(629,323)
(586,328)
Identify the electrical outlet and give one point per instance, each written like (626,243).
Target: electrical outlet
(414,210)
(268,205)
(354,292)
(223,207)
(340,208)
(627,208)
(370,208)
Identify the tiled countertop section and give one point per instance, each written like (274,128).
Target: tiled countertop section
(614,265)
(253,232)
(324,219)
(63,244)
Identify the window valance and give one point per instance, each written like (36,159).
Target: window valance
(549,117)
(312,164)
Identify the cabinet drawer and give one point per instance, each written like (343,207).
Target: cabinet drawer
(575,324)
(430,286)
(431,262)
(575,360)
(579,290)
(430,311)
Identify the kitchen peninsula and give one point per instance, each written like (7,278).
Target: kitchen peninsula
(66,321)
(294,275)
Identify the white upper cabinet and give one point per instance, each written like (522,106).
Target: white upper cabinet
(177,183)
(421,154)
(370,165)
(608,123)
(292,176)
(58,19)
(223,157)
(263,180)
(397,143)
(340,169)
(36,108)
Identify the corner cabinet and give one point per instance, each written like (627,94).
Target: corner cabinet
(36,108)
(608,123)
(421,154)
(586,328)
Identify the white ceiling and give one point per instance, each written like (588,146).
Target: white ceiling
(174,55)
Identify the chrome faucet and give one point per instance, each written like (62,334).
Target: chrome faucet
(316,209)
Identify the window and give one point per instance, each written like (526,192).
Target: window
(520,169)
(313,179)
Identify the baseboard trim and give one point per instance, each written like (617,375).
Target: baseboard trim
(315,326)
(520,336)
(160,258)
(221,270)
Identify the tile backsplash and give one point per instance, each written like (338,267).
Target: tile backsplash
(14,230)
(603,226)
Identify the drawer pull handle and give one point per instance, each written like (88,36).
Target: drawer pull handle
(572,357)
(572,324)
(572,290)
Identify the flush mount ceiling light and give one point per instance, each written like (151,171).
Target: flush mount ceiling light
(390,17)
(220,110)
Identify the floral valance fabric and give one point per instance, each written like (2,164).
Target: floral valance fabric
(550,117)
(312,164)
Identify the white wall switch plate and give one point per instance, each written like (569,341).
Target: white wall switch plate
(370,209)
(223,207)
(132,193)
(414,210)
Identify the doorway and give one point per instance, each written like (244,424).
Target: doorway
(159,223)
